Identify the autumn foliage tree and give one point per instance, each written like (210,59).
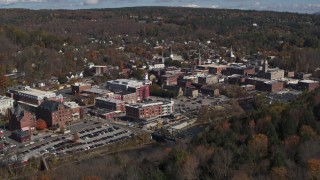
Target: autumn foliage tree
(75,137)
(41,124)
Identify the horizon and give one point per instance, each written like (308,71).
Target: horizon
(293,6)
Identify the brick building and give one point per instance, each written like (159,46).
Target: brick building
(76,110)
(272,74)
(79,87)
(185,83)
(139,87)
(27,95)
(208,79)
(21,136)
(308,85)
(265,85)
(169,80)
(148,111)
(245,71)
(20,118)
(126,96)
(216,68)
(54,113)
(236,79)
(210,90)
(191,92)
(112,104)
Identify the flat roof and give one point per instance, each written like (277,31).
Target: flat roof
(149,104)
(308,81)
(36,92)
(5,98)
(96,91)
(109,100)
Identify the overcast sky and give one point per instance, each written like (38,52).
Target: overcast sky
(301,6)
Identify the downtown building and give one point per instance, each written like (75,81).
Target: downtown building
(140,88)
(147,111)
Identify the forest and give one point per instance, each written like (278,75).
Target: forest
(66,40)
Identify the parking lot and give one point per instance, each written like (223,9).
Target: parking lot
(93,136)
(191,106)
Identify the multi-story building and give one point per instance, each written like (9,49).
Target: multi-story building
(139,87)
(208,79)
(191,92)
(272,74)
(126,96)
(308,84)
(265,85)
(79,87)
(210,90)
(27,95)
(241,70)
(21,119)
(98,92)
(169,79)
(148,111)
(112,104)
(236,79)
(5,104)
(54,113)
(77,111)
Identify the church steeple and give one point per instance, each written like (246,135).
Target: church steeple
(265,66)
(199,60)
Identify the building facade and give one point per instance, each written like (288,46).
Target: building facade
(28,95)
(148,111)
(122,85)
(54,113)
(21,119)
(79,87)
(5,104)
(308,85)
(112,104)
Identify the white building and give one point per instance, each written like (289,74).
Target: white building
(5,103)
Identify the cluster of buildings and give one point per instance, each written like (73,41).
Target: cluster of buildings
(127,96)
(25,106)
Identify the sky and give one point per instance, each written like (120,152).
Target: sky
(300,6)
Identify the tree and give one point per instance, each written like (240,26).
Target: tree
(259,143)
(307,132)
(75,137)
(138,74)
(41,124)
(62,129)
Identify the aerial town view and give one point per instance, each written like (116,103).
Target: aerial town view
(95,89)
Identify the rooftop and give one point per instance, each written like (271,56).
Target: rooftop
(33,92)
(109,100)
(140,105)
(308,81)
(52,106)
(5,98)
(97,91)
